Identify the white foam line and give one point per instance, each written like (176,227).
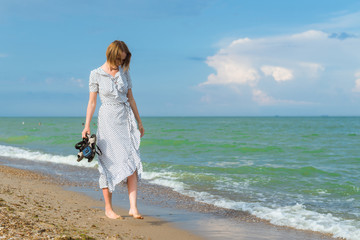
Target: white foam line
(15,152)
(296,216)
(299,217)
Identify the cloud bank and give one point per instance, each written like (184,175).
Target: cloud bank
(309,67)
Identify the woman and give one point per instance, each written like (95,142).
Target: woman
(118,137)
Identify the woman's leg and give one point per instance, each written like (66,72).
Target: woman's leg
(108,204)
(132,190)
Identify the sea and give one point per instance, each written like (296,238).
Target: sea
(300,172)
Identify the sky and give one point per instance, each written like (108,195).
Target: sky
(189,57)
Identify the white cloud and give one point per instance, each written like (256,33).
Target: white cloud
(2,55)
(239,41)
(311,63)
(357,82)
(232,74)
(262,98)
(230,70)
(309,35)
(357,85)
(279,74)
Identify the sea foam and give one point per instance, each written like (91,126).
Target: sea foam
(15,152)
(296,216)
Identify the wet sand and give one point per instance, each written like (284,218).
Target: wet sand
(35,205)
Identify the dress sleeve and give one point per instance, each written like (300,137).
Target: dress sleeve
(93,83)
(128,79)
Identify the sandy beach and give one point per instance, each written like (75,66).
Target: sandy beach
(36,206)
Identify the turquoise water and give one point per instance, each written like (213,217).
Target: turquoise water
(299,172)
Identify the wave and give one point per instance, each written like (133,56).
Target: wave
(27,154)
(296,216)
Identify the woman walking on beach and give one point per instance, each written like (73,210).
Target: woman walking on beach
(118,135)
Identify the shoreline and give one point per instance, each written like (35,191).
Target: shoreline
(206,220)
(35,206)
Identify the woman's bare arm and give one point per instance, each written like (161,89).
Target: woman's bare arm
(89,113)
(135,111)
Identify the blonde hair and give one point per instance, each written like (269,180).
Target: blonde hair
(113,55)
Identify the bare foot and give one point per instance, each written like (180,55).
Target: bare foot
(135,214)
(111,214)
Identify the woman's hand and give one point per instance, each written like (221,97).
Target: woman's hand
(85,132)
(141,129)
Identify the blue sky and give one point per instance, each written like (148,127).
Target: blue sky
(190,58)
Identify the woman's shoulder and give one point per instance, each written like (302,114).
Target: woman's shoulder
(97,72)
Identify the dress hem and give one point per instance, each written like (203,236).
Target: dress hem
(138,170)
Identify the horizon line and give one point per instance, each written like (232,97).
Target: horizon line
(190,116)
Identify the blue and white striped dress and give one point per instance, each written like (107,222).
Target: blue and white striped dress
(118,136)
